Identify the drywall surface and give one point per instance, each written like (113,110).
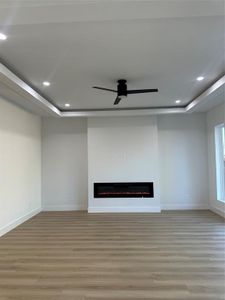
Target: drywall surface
(20,165)
(183,161)
(64,164)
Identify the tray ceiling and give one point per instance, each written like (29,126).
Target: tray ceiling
(77,44)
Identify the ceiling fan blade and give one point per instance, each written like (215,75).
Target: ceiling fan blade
(104,89)
(117,101)
(142,91)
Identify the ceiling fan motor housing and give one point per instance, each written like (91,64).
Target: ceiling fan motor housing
(122,91)
(122,88)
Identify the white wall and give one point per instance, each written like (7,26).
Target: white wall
(122,150)
(64,164)
(214,118)
(182,152)
(20,165)
(125,149)
(183,161)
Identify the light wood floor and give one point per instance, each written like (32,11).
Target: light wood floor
(73,255)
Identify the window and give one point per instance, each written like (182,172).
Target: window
(220,161)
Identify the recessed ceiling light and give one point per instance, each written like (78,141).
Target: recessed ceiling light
(67,105)
(200,78)
(3,36)
(46,83)
(178,101)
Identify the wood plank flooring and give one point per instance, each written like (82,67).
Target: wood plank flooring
(80,256)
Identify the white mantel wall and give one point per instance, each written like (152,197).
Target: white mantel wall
(123,150)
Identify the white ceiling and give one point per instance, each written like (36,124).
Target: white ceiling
(78,44)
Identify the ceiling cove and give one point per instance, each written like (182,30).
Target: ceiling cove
(11,81)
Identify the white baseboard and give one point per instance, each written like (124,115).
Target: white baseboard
(155,209)
(185,207)
(63,208)
(10,226)
(218,211)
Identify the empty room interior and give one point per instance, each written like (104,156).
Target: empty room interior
(112,150)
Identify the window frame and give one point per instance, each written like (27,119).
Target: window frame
(220,162)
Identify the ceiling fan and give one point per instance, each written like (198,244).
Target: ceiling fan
(122,91)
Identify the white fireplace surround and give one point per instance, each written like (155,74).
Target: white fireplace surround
(123,150)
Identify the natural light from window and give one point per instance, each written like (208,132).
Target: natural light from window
(220,161)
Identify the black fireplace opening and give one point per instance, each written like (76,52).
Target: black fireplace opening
(123,190)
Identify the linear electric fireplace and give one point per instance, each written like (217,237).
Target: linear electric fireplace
(124,190)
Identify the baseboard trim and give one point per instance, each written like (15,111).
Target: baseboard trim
(218,211)
(185,207)
(63,208)
(10,226)
(155,209)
